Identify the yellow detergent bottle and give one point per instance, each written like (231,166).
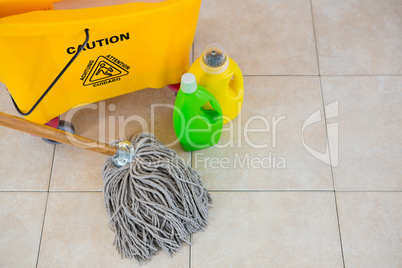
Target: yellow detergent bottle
(221,76)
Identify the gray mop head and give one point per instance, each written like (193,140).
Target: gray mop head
(154,203)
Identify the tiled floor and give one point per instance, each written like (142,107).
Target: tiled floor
(323,82)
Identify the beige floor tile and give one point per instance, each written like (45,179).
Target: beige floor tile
(284,163)
(109,120)
(371,228)
(21,221)
(271,229)
(370,127)
(76,234)
(77,170)
(358,37)
(25,161)
(264,37)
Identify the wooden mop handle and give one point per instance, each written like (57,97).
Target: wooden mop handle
(54,134)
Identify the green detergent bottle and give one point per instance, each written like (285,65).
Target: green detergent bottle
(195,127)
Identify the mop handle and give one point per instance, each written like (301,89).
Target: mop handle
(54,134)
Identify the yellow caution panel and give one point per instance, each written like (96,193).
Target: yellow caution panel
(130,47)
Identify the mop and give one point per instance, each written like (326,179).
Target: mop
(154,200)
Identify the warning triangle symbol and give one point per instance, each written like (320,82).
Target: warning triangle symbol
(104,69)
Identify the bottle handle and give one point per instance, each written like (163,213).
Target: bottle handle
(236,84)
(215,106)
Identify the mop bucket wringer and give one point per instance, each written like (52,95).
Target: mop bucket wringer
(54,60)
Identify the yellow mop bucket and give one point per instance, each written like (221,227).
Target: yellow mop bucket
(54,60)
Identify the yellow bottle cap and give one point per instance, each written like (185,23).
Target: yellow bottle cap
(214,59)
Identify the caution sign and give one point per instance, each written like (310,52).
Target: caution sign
(105,70)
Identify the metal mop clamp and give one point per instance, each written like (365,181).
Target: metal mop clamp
(154,203)
(124,154)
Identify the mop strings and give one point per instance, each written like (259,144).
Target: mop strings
(155,203)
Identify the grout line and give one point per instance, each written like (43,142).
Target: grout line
(50,191)
(327,139)
(222,191)
(23,191)
(315,39)
(76,191)
(41,232)
(368,191)
(51,168)
(363,75)
(273,75)
(321,75)
(339,226)
(268,191)
(47,199)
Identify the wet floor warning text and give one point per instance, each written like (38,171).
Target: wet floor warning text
(105,70)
